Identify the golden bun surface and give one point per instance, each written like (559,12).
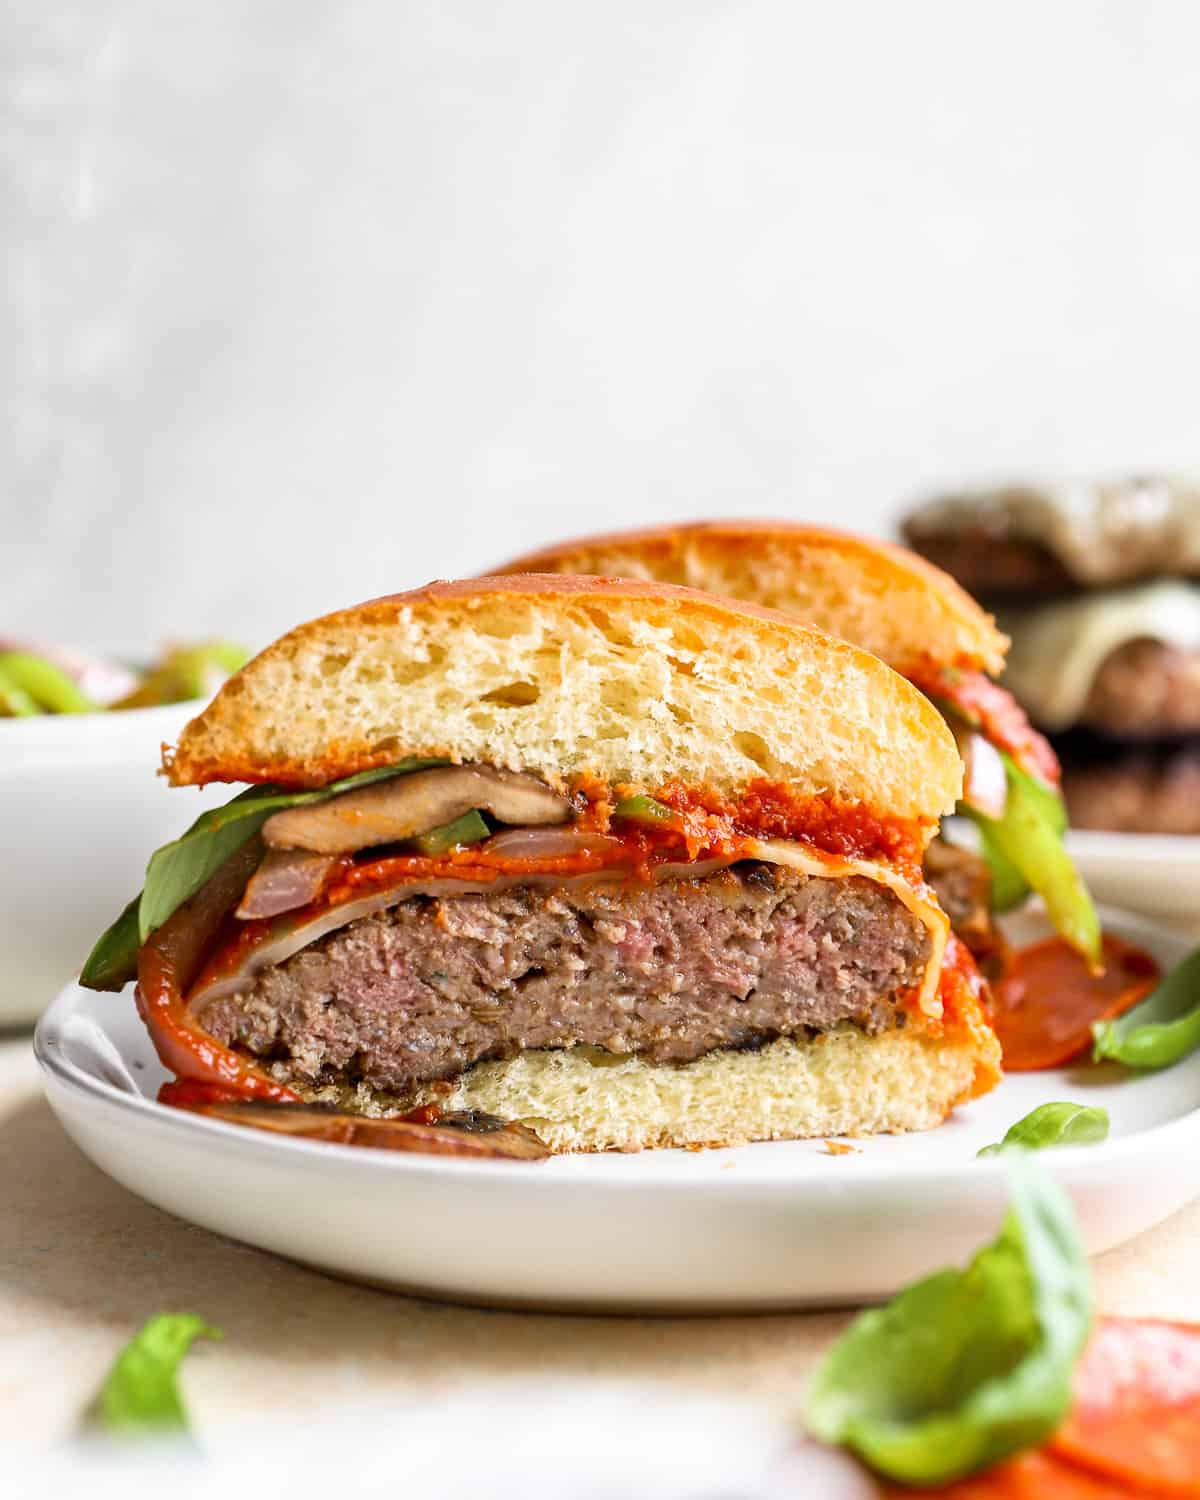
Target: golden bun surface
(839,1083)
(882,597)
(636,683)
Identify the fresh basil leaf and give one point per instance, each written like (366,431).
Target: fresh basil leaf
(642,809)
(469,829)
(112,963)
(966,1367)
(178,870)
(1163,1029)
(140,1396)
(1028,840)
(1057,1124)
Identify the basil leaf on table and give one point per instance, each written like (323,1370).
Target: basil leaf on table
(1056,1124)
(178,870)
(965,1367)
(140,1396)
(1163,1029)
(1028,840)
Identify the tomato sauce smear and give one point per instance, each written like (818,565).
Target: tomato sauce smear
(1046,1001)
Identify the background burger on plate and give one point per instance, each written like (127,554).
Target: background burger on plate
(1098,585)
(628,863)
(915,617)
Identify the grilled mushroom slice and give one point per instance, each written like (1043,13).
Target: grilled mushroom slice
(406,806)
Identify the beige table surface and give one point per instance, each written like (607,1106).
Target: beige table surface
(82,1263)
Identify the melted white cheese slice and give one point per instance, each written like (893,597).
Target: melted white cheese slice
(1057,649)
(922,905)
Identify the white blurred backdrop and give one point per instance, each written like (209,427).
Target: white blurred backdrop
(306,300)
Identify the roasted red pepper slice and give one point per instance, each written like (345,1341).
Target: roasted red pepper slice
(1047,999)
(167,963)
(987,706)
(1136,1417)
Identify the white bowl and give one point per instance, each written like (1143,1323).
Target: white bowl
(81,811)
(1155,873)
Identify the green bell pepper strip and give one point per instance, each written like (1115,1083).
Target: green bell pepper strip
(15,702)
(1025,845)
(469,829)
(140,1396)
(642,809)
(48,686)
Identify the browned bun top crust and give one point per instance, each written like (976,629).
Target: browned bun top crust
(880,596)
(641,684)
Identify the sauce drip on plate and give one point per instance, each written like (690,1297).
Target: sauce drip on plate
(1047,999)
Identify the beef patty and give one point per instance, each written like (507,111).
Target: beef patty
(669,972)
(1145,690)
(962,883)
(1131,789)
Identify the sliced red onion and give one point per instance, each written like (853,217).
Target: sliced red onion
(286,880)
(985,784)
(548,843)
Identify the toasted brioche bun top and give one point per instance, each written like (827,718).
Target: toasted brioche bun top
(882,597)
(636,683)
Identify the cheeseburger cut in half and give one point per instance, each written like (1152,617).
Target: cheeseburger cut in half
(622,862)
(916,618)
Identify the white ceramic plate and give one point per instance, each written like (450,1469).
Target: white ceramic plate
(1156,873)
(775,1225)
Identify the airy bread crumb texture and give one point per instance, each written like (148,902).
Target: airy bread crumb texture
(637,684)
(880,596)
(840,1083)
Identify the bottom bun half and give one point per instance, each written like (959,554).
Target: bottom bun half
(840,1083)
